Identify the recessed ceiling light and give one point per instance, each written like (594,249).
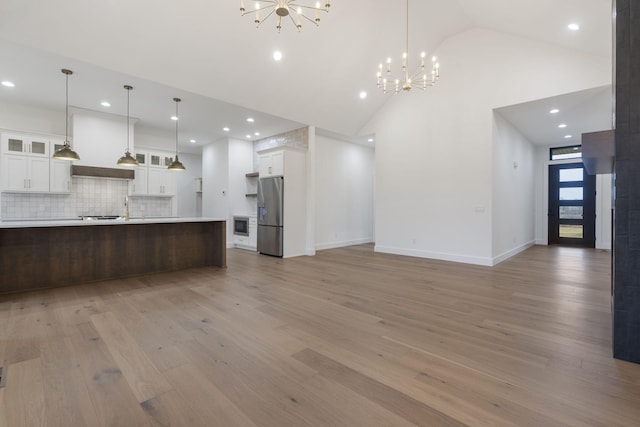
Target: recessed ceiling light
(105,104)
(193,141)
(7,83)
(226,129)
(257,134)
(250,119)
(573,26)
(568,136)
(554,111)
(370,139)
(174,118)
(277,55)
(562,125)
(363,95)
(248,136)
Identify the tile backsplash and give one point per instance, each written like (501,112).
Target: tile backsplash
(89,196)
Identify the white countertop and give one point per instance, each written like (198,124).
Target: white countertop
(77,222)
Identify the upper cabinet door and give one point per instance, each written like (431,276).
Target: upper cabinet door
(25,145)
(272,164)
(39,174)
(59,176)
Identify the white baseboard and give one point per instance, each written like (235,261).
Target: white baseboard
(435,255)
(542,242)
(343,243)
(515,251)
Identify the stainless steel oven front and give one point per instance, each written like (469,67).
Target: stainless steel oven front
(241,225)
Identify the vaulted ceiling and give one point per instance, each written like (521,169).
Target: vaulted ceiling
(205,47)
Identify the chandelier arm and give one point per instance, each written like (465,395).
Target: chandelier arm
(271,4)
(420,74)
(293,21)
(266,17)
(302,6)
(309,19)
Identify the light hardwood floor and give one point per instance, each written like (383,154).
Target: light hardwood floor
(346,338)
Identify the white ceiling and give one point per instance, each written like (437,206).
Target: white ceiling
(168,48)
(582,112)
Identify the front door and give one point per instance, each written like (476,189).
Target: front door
(572,206)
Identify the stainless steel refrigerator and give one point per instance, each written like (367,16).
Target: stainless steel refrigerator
(270,218)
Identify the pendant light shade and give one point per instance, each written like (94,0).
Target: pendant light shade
(176,165)
(66,153)
(128,160)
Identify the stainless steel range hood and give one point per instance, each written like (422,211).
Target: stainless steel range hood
(77,170)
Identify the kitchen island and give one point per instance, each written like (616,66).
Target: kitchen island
(49,254)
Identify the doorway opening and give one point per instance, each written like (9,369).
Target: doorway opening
(572,206)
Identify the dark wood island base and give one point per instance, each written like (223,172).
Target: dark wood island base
(55,256)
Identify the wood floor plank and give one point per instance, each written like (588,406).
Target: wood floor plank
(66,398)
(111,397)
(204,399)
(383,395)
(3,410)
(24,395)
(349,337)
(143,377)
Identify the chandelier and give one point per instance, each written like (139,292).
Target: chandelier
(420,79)
(283,9)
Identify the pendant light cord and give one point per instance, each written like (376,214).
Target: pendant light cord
(178,117)
(66,110)
(177,100)
(128,131)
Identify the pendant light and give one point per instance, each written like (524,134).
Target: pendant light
(176,165)
(127,159)
(66,153)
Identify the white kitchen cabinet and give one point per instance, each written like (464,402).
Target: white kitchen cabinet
(161,182)
(25,145)
(272,164)
(253,232)
(23,173)
(138,186)
(159,160)
(59,176)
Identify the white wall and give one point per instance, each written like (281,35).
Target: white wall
(603,211)
(513,208)
(344,193)
(434,157)
(215,179)
(31,119)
